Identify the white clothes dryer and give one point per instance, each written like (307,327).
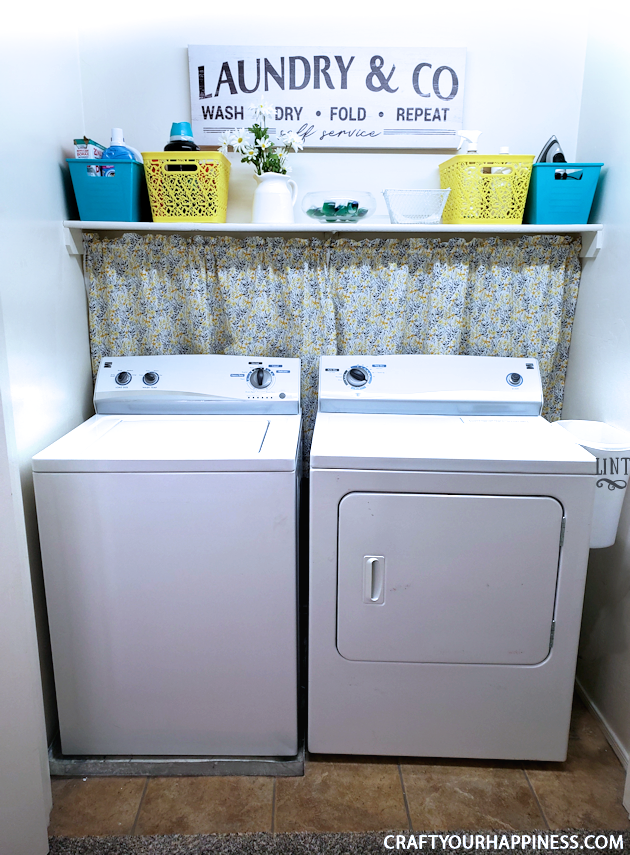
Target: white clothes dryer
(449,537)
(168,526)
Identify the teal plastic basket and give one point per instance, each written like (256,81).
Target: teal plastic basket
(561,192)
(112,198)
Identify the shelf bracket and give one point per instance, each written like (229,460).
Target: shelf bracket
(74,241)
(592,242)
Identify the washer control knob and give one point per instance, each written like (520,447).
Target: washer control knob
(260,378)
(150,378)
(514,379)
(122,378)
(357,377)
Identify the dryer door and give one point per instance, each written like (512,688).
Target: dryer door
(447,578)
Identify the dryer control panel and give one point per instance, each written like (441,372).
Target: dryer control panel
(430,385)
(197,384)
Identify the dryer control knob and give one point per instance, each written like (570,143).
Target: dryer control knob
(260,378)
(150,378)
(357,377)
(122,378)
(514,379)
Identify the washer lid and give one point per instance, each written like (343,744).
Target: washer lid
(175,444)
(445,444)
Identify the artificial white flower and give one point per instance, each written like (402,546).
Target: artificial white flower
(297,143)
(256,147)
(240,140)
(261,109)
(224,141)
(264,144)
(289,139)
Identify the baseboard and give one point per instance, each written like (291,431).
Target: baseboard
(608,732)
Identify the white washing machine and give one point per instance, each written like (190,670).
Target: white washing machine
(168,526)
(449,537)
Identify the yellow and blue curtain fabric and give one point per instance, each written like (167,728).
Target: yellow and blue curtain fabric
(304,297)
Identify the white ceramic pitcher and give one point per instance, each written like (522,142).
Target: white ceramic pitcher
(274,198)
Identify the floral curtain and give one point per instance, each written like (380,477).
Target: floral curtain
(304,297)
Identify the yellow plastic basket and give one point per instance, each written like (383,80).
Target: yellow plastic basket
(485,188)
(187,186)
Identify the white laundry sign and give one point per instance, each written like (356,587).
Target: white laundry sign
(335,97)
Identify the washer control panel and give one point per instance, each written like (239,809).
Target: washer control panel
(431,385)
(199,383)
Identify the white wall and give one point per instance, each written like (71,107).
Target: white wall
(41,286)
(523,80)
(24,779)
(598,381)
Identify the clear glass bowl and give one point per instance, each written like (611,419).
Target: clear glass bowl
(416,206)
(329,206)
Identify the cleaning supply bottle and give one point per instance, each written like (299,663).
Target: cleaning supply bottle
(472,137)
(181,138)
(118,150)
(472,206)
(501,202)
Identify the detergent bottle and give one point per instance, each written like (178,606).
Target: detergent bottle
(118,150)
(181,138)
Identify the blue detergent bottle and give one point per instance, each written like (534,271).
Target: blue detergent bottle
(118,150)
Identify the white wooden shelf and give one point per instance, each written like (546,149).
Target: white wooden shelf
(591,234)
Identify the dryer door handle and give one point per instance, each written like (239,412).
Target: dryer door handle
(374,579)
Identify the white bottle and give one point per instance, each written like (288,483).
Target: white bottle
(502,170)
(501,189)
(472,138)
(470,177)
(118,150)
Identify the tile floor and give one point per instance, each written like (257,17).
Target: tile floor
(362,794)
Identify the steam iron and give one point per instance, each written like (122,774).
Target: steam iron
(551,153)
